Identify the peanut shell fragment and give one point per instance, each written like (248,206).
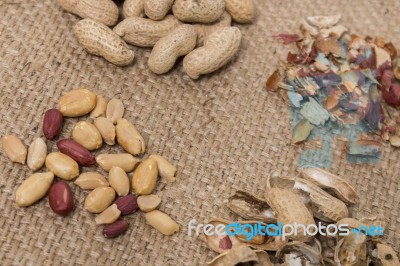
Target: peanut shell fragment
(162,222)
(339,186)
(129,137)
(77,103)
(37,153)
(14,148)
(33,188)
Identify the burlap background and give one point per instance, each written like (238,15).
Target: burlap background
(224,131)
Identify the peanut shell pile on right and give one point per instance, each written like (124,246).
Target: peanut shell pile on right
(316,198)
(199,30)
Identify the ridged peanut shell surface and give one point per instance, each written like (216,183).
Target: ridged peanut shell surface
(100,40)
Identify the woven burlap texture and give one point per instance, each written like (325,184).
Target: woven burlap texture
(224,132)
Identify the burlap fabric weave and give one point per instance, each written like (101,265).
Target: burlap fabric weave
(224,132)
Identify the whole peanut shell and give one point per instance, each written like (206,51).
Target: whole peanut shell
(103,11)
(219,48)
(133,8)
(157,9)
(242,11)
(290,210)
(202,11)
(204,30)
(99,40)
(145,32)
(167,50)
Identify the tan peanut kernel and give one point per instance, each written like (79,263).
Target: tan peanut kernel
(100,109)
(219,48)
(133,8)
(144,178)
(119,180)
(165,168)
(157,9)
(109,215)
(115,110)
(37,153)
(106,129)
(203,11)
(100,40)
(77,102)
(91,180)
(33,188)
(204,30)
(14,148)
(148,203)
(162,222)
(129,137)
(62,165)
(99,199)
(87,135)
(168,49)
(242,11)
(145,32)
(124,160)
(103,11)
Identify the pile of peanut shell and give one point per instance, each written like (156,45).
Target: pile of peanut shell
(199,30)
(317,197)
(109,198)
